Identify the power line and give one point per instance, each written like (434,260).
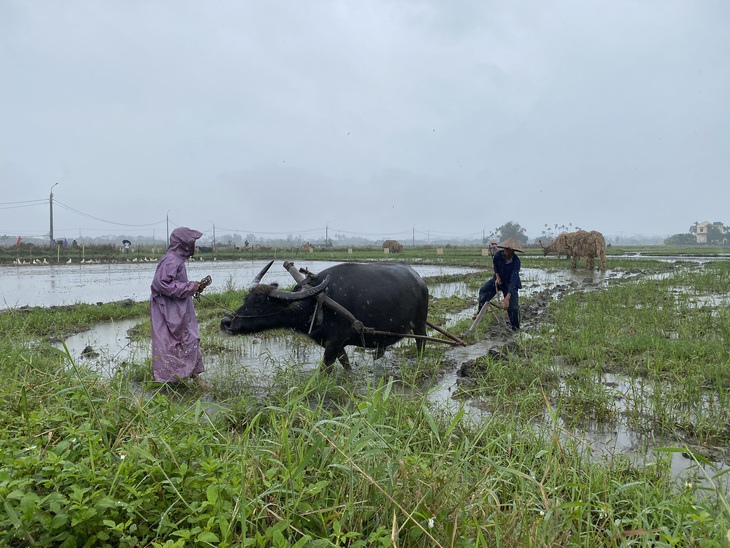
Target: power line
(27,203)
(69,208)
(44,201)
(364,234)
(249,231)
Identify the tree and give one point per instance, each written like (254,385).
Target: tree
(512,230)
(714,234)
(681,239)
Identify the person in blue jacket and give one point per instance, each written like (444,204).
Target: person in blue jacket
(507,279)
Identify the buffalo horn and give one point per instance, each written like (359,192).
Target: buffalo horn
(260,275)
(299,295)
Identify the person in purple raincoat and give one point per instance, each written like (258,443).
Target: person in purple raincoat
(175,335)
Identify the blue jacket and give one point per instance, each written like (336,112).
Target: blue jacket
(509,273)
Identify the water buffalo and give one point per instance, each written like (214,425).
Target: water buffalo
(332,307)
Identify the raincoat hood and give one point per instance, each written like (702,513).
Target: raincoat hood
(182,241)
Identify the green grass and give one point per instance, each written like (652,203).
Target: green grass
(88,463)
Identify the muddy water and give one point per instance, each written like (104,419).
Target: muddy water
(109,347)
(601,441)
(252,356)
(114,347)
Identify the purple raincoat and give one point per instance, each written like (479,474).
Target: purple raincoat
(175,335)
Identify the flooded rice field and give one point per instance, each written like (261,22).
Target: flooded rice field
(58,285)
(246,364)
(112,346)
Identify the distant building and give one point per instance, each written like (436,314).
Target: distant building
(701,231)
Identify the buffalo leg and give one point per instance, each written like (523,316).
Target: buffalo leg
(333,353)
(420,346)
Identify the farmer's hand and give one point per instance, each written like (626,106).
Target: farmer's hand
(505,301)
(202,284)
(499,280)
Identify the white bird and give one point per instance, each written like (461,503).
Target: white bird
(68,262)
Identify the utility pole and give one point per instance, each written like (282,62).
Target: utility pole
(213,237)
(167,220)
(50,201)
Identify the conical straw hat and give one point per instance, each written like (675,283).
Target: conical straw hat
(511,243)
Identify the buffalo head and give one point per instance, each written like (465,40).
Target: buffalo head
(267,307)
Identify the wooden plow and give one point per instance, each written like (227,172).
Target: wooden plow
(491,305)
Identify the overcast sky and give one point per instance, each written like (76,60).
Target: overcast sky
(368,118)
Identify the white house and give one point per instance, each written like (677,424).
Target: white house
(700,230)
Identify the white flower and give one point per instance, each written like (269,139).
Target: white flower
(431,522)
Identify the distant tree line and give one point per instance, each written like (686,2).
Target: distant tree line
(238,240)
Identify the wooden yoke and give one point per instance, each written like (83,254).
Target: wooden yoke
(329,302)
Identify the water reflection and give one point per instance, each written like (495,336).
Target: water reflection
(107,347)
